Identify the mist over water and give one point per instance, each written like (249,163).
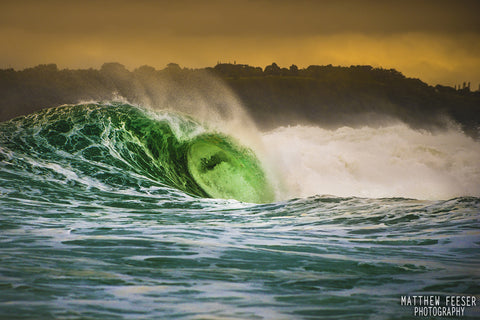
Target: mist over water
(205,98)
(391,161)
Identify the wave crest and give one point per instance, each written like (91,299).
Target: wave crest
(113,142)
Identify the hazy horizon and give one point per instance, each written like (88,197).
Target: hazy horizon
(435,41)
(472,86)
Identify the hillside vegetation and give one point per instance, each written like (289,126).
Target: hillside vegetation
(325,95)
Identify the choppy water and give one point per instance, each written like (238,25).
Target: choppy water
(90,228)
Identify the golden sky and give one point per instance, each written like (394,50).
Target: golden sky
(436,41)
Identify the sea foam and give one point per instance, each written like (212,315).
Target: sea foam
(391,161)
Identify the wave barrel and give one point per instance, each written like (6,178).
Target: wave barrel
(224,170)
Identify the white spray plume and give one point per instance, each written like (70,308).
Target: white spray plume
(393,161)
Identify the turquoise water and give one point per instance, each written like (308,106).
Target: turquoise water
(111,212)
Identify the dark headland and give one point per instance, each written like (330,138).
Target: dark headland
(330,96)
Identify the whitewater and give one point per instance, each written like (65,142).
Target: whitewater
(115,211)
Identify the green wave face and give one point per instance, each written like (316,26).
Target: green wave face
(115,144)
(225,170)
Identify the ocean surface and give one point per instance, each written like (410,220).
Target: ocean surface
(111,211)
